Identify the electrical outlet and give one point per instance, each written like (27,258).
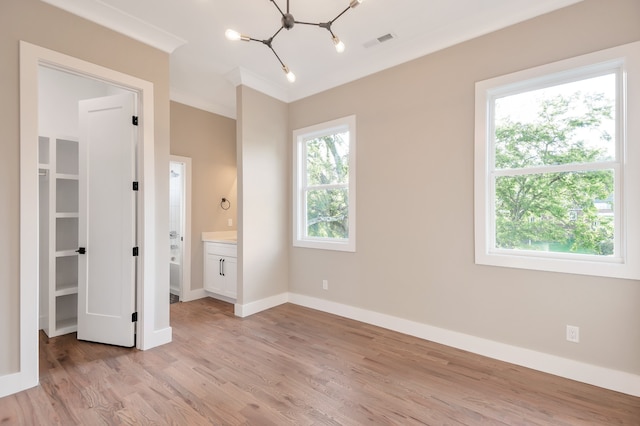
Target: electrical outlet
(573,333)
(229,222)
(325,284)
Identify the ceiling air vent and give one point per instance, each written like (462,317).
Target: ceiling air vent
(379,40)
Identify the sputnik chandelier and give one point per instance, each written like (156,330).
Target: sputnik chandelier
(288,21)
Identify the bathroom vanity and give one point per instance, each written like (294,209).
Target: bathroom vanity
(221,264)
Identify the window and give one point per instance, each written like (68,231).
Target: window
(324,185)
(555,159)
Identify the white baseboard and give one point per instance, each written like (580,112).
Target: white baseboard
(221,297)
(260,305)
(17,382)
(619,381)
(157,338)
(196,294)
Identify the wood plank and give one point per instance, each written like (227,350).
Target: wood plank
(293,365)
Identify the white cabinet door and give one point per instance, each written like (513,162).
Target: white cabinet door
(213,279)
(229,276)
(106,272)
(221,269)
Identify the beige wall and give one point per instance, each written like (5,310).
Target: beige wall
(210,141)
(263,193)
(415,186)
(46,26)
(415,247)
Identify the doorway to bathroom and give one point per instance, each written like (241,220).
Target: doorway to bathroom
(179,227)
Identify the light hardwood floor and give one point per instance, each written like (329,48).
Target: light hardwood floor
(292,365)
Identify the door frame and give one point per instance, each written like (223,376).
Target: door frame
(31,58)
(185,285)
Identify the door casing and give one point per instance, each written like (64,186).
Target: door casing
(185,285)
(31,58)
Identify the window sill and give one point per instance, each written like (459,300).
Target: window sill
(612,267)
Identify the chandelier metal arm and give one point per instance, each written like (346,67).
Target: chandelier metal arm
(267,43)
(340,14)
(288,22)
(278,7)
(277,57)
(277,32)
(325,25)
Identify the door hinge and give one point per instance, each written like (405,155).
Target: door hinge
(135,186)
(134,317)
(134,120)
(135,251)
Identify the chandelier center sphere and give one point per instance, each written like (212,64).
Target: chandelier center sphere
(288,21)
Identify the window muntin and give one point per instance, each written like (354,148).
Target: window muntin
(598,163)
(324,186)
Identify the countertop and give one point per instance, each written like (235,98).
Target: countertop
(225,237)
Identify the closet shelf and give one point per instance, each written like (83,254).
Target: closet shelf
(67,291)
(63,215)
(64,253)
(67,176)
(58,159)
(65,326)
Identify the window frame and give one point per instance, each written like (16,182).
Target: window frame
(625,60)
(300,187)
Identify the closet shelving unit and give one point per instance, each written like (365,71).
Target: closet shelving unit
(59,215)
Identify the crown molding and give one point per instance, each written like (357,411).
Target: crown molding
(197,102)
(241,76)
(115,19)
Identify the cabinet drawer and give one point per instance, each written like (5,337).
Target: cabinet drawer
(230,250)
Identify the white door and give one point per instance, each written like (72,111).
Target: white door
(107,207)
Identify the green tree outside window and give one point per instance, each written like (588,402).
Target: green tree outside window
(328,179)
(564,211)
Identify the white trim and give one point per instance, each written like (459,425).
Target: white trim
(198,102)
(624,59)
(300,137)
(27,376)
(32,57)
(220,297)
(186,243)
(158,337)
(260,305)
(607,378)
(122,22)
(16,382)
(188,296)
(242,76)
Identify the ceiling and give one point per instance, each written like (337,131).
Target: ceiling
(205,66)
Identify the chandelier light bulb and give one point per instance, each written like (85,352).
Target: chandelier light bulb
(354,3)
(233,35)
(339,44)
(290,76)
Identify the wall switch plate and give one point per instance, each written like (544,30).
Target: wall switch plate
(229,222)
(325,284)
(573,333)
